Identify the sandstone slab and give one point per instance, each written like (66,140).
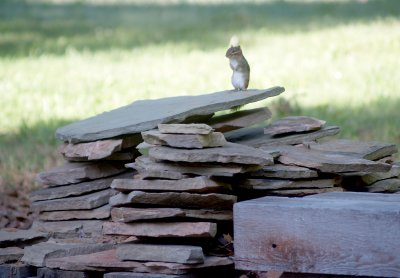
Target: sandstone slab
(361,149)
(157,174)
(184,254)
(374,177)
(328,162)
(75,172)
(174,199)
(161,229)
(302,191)
(209,214)
(293,124)
(187,141)
(124,214)
(285,172)
(107,260)
(230,153)
(197,184)
(10,254)
(69,229)
(193,129)
(38,254)
(239,119)
(255,137)
(273,184)
(97,213)
(77,189)
(388,185)
(203,169)
(89,201)
(144,115)
(18,237)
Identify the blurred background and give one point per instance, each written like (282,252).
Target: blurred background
(65,60)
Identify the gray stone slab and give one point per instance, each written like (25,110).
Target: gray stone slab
(185,129)
(358,196)
(328,162)
(184,254)
(293,124)
(273,184)
(107,260)
(203,169)
(157,174)
(15,237)
(68,229)
(38,254)
(124,214)
(240,119)
(361,149)
(230,153)
(187,141)
(255,137)
(174,199)
(301,192)
(196,184)
(16,271)
(45,272)
(75,172)
(88,201)
(209,214)
(97,213)
(10,254)
(143,275)
(388,185)
(144,115)
(162,229)
(285,172)
(77,189)
(374,177)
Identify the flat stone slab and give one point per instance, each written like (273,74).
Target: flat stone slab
(97,213)
(255,137)
(75,172)
(16,237)
(107,260)
(174,199)
(143,275)
(162,230)
(16,271)
(144,115)
(89,201)
(44,272)
(328,162)
(388,185)
(230,153)
(38,254)
(184,254)
(203,169)
(10,254)
(157,174)
(125,214)
(68,229)
(197,184)
(273,184)
(77,189)
(240,119)
(301,192)
(285,172)
(293,124)
(374,177)
(361,149)
(187,141)
(193,129)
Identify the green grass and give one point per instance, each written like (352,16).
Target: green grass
(61,61)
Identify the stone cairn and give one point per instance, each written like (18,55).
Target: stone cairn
(169,211)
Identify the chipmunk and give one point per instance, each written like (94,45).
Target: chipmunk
(241,69)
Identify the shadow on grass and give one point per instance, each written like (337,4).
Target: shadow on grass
(35,28)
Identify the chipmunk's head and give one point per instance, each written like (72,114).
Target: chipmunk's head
(234,49)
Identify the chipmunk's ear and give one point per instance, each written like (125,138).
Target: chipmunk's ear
(234,42)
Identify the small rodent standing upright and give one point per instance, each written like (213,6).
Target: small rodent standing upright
(239,65)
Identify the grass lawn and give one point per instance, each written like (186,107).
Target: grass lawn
(65,60)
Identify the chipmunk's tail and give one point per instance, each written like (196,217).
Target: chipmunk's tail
(234,42)
(236,108)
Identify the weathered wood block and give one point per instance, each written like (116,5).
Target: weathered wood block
(347,234)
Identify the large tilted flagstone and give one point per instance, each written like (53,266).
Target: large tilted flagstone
(89,201)
(184,254)
(293,124)
(240,119)
(97,213)
(328,162)
(230,153)
(255,137)
(367,150)
(75,172)
(188,141)
(197,184)
(144,115)
(203,169)
(285,172)
(162,230)
(175,199)
(104,260)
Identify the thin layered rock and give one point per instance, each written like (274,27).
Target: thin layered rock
(293,124)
